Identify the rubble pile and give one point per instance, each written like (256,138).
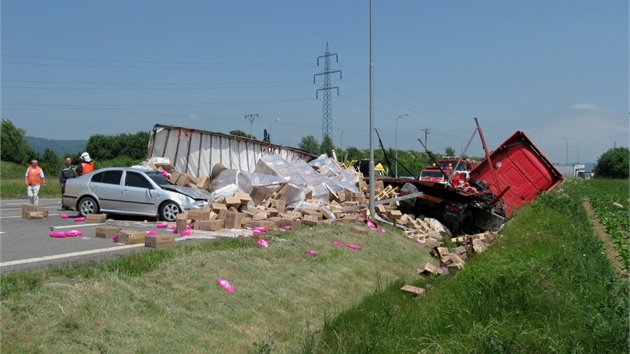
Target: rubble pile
(283,195)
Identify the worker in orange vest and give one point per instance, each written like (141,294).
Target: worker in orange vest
(86,166)
(34,178)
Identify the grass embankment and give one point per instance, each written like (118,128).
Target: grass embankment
(168,301)
(545,286)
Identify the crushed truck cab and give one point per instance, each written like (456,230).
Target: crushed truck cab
(512,175)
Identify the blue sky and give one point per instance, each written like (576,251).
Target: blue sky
(557,70)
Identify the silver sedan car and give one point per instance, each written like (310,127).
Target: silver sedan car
(130,191)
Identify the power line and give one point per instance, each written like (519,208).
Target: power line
(327,114)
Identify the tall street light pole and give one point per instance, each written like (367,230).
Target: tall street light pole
(396,139)
(343,131)
(578,153)
(270,124)
(567,148)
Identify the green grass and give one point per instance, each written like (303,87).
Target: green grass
(545,286)
(167,301)
(601,194)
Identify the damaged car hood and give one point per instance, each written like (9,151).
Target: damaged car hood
(194,193)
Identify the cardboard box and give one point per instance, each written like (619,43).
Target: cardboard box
(181,225)
(38,212)
(131,237)
(295,225)
(107,231)
(35,215)
(174,177)
(183,180)
(232,220)
(269,224)
(198,215)
(160,241)
(209,225)
(95,218)
(204,182)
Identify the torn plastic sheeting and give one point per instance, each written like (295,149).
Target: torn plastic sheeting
(329,168)
(228,182)
(313,181)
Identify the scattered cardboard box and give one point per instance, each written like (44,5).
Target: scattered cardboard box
(107,231)
(209,225)
(159,241)
(98,218)
(131,237)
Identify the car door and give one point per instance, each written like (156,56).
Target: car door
(105,185)
(139,193)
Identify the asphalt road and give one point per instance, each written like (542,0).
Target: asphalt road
(27,245)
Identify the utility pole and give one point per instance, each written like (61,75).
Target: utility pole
(327,116)
(426,138)
(251,118)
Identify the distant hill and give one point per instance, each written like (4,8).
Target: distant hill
(60,147)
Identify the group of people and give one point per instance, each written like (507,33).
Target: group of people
(35,177)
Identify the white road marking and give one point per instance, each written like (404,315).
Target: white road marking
(74,254)
(73,226)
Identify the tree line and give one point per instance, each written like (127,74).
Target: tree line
(129,149)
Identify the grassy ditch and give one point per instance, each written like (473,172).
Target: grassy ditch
(544,286)
(168,301)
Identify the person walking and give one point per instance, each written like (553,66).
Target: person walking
(34,178)
(67,171)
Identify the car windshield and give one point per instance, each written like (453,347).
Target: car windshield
(431,174)
(157,177)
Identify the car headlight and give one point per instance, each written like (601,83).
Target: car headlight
(200,203)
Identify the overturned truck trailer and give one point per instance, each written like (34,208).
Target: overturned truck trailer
(195,151)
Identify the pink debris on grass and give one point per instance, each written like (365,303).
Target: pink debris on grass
(263,243)
(371,224)
(354,247)
(336,243)
(226,285)
(311,252)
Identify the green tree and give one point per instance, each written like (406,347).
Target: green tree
(109,147)
(50,162)
(241,133)
(13,144)
(355,154)
(614,163)
(449,151)
(310,144)
(327,145)
(266,136)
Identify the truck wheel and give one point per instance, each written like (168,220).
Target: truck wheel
(467,224)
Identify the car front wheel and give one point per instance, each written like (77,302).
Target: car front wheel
(88,206)
(168,211)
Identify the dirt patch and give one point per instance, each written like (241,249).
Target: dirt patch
(609,247)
